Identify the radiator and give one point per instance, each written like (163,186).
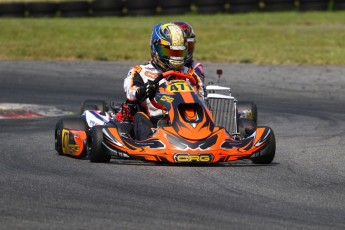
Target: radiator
(223,108)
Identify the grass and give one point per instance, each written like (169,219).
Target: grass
(261,38)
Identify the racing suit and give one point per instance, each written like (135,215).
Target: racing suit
(147,116)
(198,68)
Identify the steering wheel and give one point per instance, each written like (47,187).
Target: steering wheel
(165,75)
(179,74)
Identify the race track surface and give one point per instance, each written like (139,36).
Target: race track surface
(304,188)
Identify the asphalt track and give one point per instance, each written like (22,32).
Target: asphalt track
(304,188)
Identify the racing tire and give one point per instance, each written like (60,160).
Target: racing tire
(107,7)
(174,7)
(338,5)
(42,9)
(174,11)
(12,10)
(74,9)
(100,105)
(244,6)
(247,109)
(244,2)
(96,152)
(210,6)
(211,9)
(313,5)
(174,4)
(234,9)
(246,127)
(209,2)
(141,8)
(279,5)
(266,155)
(76,123)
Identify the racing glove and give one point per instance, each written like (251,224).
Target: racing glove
(151,89)
(146,91)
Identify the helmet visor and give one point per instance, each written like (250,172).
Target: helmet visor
(172,51)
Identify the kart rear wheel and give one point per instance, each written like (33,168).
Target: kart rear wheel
(76,123)
(246,126)
(96,151)
(266,155)
(100,105)
(247,109)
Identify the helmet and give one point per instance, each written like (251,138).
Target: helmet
(191,39)
(168,47)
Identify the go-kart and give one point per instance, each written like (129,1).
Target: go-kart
(191,129)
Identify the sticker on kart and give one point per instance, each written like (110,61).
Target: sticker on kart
(179,87)
(67,146)
(187,158)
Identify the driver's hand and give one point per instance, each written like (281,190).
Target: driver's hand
(150,89)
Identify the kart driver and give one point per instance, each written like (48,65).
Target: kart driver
(191,40)
(169,51)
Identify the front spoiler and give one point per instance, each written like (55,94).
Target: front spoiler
(167,147)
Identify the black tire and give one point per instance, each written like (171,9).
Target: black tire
(174,7)
(210,9)
(338,5)
(67,123)
(244,2)
(141,4)
(279,1)
(12,10)
(141,7)
(174,11)
(74,9)
(96,151)
(246,127)
(247,109)
(174,4)
(100,105)
(107,7)
(266,155)
(313,5)
(199,3)
(279,5)
(107,13)
(141,12)
(244,6)
(243,9)
(42,9)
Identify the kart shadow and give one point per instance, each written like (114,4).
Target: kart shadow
(240,163)
(134,162)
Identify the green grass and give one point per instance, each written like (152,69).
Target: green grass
(262,38)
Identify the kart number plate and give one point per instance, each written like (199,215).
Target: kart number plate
(179,87)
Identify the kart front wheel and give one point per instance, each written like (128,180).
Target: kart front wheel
(75,123)
(96,151)
(266,154)
(246,126)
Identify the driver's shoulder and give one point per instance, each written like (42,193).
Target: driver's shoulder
(145,67)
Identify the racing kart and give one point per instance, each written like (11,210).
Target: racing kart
(191,130)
